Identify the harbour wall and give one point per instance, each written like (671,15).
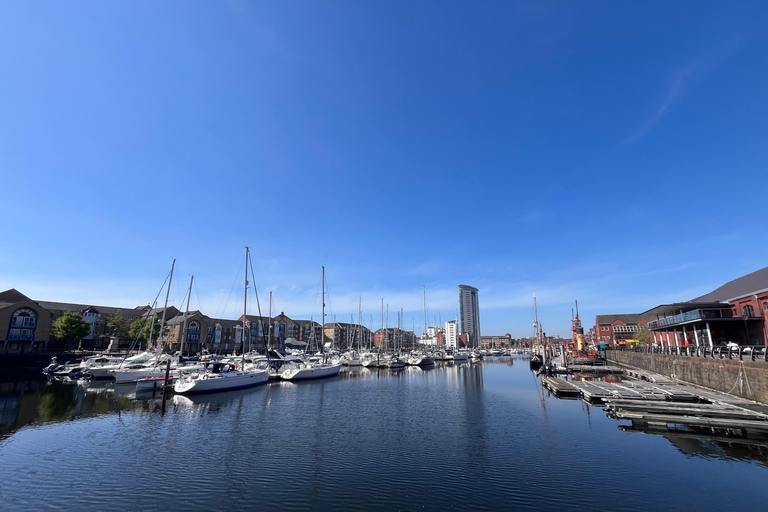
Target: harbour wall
(747,379)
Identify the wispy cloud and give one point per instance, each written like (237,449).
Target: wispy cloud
(683,79)
(672,95)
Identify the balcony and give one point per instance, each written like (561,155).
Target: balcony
(21,336)
(697,314)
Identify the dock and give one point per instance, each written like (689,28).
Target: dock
(585,368)
(653,402)
(561,388)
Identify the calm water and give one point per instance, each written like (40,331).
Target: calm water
(469,437)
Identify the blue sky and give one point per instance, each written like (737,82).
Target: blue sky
(610,152)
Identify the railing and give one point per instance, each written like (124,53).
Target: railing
(20,337)
(696,314)
(755,353)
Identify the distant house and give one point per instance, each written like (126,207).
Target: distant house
(615,330)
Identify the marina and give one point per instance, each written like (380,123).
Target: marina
(370,439)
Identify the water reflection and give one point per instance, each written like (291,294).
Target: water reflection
(31,400)
(34,400)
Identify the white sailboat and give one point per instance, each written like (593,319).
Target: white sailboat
(222,376)
(317,370)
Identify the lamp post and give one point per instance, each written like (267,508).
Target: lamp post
(745,316)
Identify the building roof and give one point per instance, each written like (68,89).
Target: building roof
(678,307)
(749,284)
(79,308)
(12,296)
(629,318)
(226,322)
(192,315)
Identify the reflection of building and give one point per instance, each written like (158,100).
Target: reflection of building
(469,310)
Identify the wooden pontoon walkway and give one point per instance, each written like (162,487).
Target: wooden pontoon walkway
(659,403)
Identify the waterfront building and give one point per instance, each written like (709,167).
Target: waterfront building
(195,336)
(25,325)
(451,334)
(469,310)
(504,340)
(347,335)
(733,313)
(97,316)
(387,339)
(614,330)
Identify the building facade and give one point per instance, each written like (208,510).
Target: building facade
(25,325)
(504,340)
(451,334)
(469,311)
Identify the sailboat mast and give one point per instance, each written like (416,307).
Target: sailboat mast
(186,312)
(383,332)
(386,330)
(245,305)
(424,292)
(360,325)
(152,325)
(165,308)
(269,323)
(536,319)
(322,340)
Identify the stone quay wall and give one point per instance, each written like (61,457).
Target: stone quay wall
(747,378)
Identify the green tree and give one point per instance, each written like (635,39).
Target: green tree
(142,327)
(70,328)
(643,337)
(117,325)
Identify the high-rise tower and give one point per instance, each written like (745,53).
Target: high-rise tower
(469,311)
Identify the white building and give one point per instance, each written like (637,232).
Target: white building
(451,334)
(469,311)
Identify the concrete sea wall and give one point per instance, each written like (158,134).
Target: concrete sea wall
(747,379)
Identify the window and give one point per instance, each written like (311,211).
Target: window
(24,317)
(603,328)
(748,310)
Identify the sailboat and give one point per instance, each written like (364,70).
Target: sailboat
(220,376)
(422,358)
(318,370)
(537,352)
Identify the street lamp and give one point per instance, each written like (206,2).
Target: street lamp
(745,316)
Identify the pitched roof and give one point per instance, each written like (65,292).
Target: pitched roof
(630,318)
(12,296)
(746,285)
(66,306)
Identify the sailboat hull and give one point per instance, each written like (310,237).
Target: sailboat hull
(305,372)
(214,382)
